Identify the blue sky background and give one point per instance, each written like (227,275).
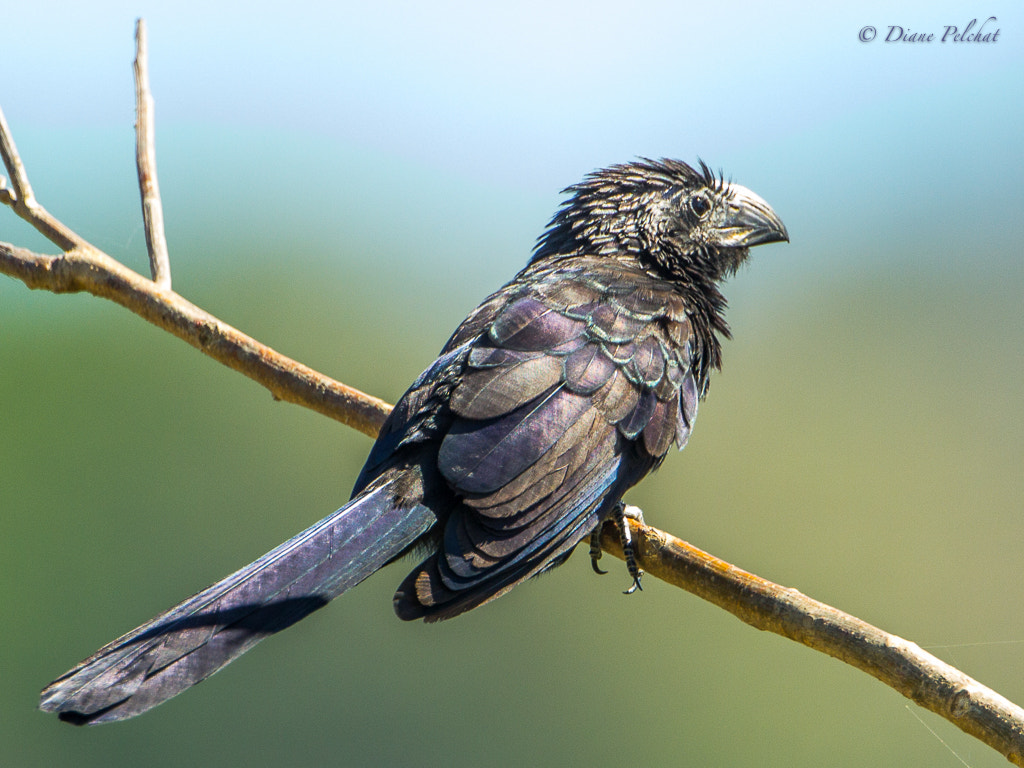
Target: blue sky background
(345,182)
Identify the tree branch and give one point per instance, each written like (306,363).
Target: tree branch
(88,269)
(898,663)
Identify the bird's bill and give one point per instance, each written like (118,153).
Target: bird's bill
(749,221)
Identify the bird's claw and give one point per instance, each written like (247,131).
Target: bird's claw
(636,584)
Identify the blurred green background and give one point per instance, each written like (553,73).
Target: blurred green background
(345,184)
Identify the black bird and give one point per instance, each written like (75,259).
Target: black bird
(557,394)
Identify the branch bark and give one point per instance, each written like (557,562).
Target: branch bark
(88,269)
(901,664)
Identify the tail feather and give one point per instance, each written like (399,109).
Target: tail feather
(191,641)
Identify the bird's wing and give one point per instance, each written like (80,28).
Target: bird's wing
(574,390)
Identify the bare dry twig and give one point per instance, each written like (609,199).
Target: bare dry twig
(23,201)
(904,666)
(145,161)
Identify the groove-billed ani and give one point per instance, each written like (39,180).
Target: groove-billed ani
(557,394)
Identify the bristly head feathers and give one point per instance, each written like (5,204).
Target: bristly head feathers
(687,225)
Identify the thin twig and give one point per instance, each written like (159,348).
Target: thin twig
(145,161)
(12,161)
(22,199)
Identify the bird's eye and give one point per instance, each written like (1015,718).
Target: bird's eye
(700,205)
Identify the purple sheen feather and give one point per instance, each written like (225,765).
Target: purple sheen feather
(481,458)
(568,347)
(587,369)
(638,418)
(679,332)
(491,357)
(566,295)
(642,303)
(509,507)
(528,324)
(611,323)
(617,398)
(661,429)
(620,353)
(491,392)
(648,364)
(689,398)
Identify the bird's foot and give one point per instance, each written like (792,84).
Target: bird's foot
(621,517)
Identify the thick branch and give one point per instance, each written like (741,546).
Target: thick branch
(898,663)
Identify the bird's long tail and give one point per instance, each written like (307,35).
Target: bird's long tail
(191,641)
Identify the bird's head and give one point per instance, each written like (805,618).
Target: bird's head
(684,223)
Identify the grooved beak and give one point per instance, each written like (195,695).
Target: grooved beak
(749,221)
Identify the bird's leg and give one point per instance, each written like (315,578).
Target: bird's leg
(619,515)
